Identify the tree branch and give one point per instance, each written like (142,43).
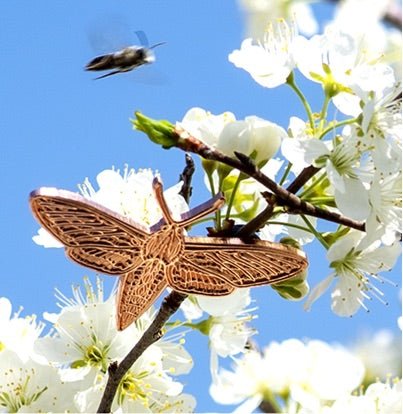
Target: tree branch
(257,222)
(246,165)
(304,176)
(186,177)
(116,371)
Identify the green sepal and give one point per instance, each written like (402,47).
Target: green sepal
(80,363)
(295,288)
(227,188)
(289,241)
(203,326)
(223,171)
(209,166)
(332,237)
(161,132)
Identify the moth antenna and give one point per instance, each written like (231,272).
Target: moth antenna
(157,44)
(202,210)
(159,195)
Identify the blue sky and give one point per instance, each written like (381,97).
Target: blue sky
(59,126)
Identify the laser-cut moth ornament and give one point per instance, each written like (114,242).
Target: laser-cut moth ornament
(148,260)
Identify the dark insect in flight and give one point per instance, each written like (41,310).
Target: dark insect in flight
(124,60)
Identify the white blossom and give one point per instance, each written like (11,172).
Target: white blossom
(381,353)
(27,386)
(304,373)
(288,228)
(191,309)
(381,129)
(252,136)
(18,334)
(385,217)
(370,80)
(270,61)
(336,60)
(86,338)
(355,263)
(131,194)
(228,323)
(379,398)
(374,36)
(86,341)
(260,12)
(144,387)
(342,163)
(255,137)
(229,304)
(45,239)
(300,131)
(204,125)
(184,403)
(247,382)
(332,372)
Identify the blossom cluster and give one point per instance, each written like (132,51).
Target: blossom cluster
(352,143)
(66,369)
(359,153)
(305,378)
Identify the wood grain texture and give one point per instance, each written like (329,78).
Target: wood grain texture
(150,259)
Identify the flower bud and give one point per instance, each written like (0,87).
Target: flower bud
(254,137)
(204,125)
(161,132)
(293,289)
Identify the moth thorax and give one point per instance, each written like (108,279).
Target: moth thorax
(166,244)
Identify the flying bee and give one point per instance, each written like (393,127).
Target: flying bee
(124,60)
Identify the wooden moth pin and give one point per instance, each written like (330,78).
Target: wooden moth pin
(147,260)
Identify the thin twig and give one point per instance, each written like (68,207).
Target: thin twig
(186,177)
(245,164)
(257,222)
(394,17)
(116,371)
(260,220)
(303,177)
(266,407)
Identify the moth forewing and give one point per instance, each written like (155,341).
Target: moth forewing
(93,235)
(76,221)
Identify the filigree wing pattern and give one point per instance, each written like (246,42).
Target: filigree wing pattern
(94,236)
(240,264)
(138,290)
(112,261)
(185,279)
